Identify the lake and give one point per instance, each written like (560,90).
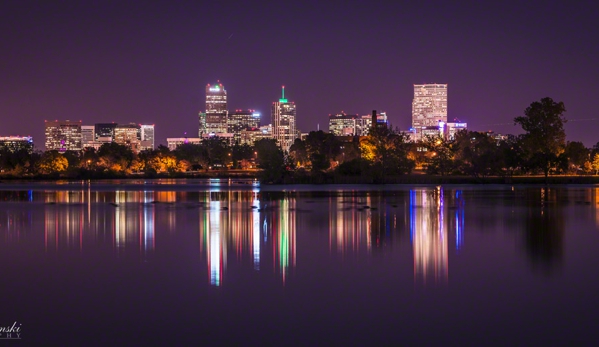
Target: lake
(215,262)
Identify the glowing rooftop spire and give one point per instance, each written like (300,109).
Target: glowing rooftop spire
(282,99)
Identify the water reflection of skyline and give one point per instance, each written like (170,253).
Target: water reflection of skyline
(73,219)
(259,229)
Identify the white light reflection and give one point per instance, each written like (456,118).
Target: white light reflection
(429,240)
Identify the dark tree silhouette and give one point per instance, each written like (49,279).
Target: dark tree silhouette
(545,138)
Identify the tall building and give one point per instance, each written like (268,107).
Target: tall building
(215,118)
(88,136)
(16,143)
(283,122)
(147,137)
(429,106)
(104,132)
(242,120)
(63,135)
(128,135)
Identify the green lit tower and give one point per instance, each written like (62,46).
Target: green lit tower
(283,122)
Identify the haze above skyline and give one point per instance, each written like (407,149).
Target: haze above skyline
(150,62)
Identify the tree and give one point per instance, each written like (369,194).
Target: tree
(574,156)
(52,162)
(115,157)
(544,138)
(241,154)
(271,160)
(388,151)
(595,164)
(195,154)
(218,150)
(318,151)
(440,155)
(477,153)
(511,152)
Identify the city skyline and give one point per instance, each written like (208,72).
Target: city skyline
(114,62)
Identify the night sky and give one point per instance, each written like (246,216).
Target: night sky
(149,62)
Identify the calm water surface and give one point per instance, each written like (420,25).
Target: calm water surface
(219,262)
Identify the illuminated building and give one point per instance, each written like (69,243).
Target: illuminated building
(429,106)
(147,137)
(432,131)
(347,125)
(16,143)
(174,142)
(453,128)
(128,135)
(215,118)
(104,132)
(283,122)
(241,120)
(381,120)
(63,135)
(88,136)
(250,136)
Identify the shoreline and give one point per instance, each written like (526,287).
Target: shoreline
(326,179)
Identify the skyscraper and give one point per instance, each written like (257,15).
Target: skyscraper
(215,118)
(63,135)
(429,106)
(242,120)
(283,122)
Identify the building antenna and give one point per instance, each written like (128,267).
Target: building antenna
(282,99)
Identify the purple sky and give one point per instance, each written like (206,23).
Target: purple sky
(149,62)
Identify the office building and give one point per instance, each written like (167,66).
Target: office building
(128,135)
(104,132)
(250,136)
(242,120)
(215,118)
(147,137)
(16,143)
(283,122)
(88,136)
(429,106)
(342,124)
(63,135)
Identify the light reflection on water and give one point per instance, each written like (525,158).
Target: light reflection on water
(250,225)
(381,260)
